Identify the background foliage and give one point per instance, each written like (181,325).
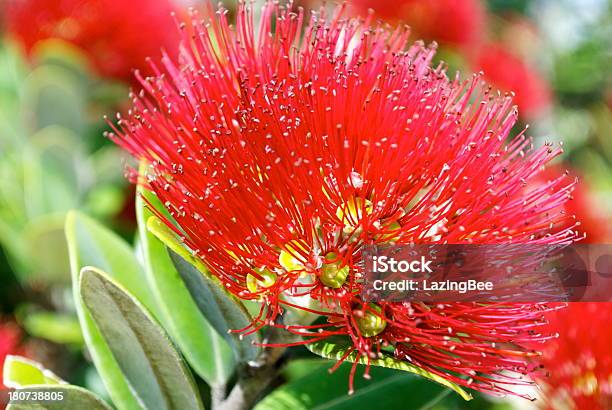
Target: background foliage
(54,160)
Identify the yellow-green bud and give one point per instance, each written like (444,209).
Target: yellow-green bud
(254,284)
(333,274)
(286,258)
(371,324)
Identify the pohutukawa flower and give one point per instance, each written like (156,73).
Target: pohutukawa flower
(578,362)
(116,35)
(282,149)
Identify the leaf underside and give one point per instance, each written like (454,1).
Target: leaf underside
(148,360)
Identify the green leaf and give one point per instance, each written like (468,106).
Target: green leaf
(26,375)
(55,97)
(73,397)
(386,389)
(89,244)
(57,328)
(300,367)
(169,238)
(205,350)
(49,264)
(223,310)
(105,200)
(92,244)
(336,349)
(20,372)
(56,171)
(150,363)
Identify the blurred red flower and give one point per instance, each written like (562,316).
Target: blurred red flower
(582,206)
(451,22)
(116,35)
(579,361)
(10,338)
(590,215)
(508,72)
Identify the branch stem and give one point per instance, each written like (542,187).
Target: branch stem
(252,381)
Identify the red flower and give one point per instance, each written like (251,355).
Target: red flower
(280,155)
(508,72)
(451,22)
(10,337)
(579,361)
(116,35)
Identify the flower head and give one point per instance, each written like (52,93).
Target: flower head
(280,154)
(116,35)
(579,361)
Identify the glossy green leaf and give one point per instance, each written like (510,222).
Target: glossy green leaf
(154,369)
(205,350)
(386,389)
(337,349)
(224,311)
(19,372)
(73,397)
(90,244)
